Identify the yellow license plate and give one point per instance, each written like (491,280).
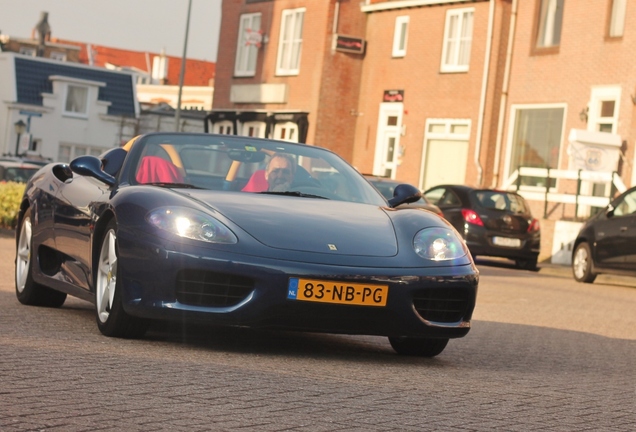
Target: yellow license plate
(337,292)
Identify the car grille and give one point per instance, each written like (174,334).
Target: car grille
(443,304)
(205,288)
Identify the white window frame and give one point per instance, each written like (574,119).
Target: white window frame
(447,134)
(28,51)
(597,97)
(400,36)
(246,48)
(73,113)
(253,126)
(58,55)
(617,18)
(224,127)
(287,131)
(514,110)
(548,24)
(290,42)
(458,39)
(77,150)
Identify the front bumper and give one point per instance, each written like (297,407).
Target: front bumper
(422,302)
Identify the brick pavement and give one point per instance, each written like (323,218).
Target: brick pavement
(57,373)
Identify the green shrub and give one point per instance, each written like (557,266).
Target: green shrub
(10,196)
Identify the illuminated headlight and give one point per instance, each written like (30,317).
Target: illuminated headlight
(192,224)
(439,244)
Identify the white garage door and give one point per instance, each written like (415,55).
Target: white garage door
(445,162)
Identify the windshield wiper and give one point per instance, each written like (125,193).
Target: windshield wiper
(294,193)
(174,185)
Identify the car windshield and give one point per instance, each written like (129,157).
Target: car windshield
(499,200)
(18,174)
(232,163)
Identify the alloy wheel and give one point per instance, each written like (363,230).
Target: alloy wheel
(106,277)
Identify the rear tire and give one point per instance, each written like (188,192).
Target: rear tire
(421,347)
(27,291)
(582,264)
(112,319)
(526,264)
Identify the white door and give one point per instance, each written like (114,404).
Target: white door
(388,139)
(445,163)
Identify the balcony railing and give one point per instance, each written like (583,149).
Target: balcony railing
(548,193)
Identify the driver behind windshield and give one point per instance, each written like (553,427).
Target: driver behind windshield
(280,172)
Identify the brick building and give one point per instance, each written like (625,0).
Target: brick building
(534,95)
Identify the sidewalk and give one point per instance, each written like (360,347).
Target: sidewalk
(566,271)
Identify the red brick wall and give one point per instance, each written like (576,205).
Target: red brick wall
(427,92)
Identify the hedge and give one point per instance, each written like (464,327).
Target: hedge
(10,196)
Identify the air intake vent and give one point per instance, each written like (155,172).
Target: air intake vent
(204,288)
(443,304)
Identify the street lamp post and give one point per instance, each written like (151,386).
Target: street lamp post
(177,116)
(20,128)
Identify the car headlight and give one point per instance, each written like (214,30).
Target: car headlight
(192,224)
(439,244)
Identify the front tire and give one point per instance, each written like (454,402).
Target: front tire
(582,264)
(27,291)
(421,347)
(112,319)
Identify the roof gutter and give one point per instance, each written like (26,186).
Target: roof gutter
(407,4)
(484,89)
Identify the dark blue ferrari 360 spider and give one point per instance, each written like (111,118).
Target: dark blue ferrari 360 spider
(238,231)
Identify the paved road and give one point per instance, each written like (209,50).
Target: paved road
(544,354)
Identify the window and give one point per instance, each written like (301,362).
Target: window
(536,140)
(28,51)
(290,42)
(253,129)
(249,41)
(617,18)
(67,152)
(550,23)
(57,55)
(458,35)
(287,131)
(400,36)
(627,206)
(224,127)
(76,101)
(603,113)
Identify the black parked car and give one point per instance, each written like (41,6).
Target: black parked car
(606,243)
(493,222)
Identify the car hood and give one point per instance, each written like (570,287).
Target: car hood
(307,224)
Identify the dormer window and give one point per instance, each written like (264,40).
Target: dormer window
(76,100)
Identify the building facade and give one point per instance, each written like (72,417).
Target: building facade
(65,109)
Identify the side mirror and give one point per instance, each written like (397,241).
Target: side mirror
(609,212)
(404,194)
(62,172)
(90,166)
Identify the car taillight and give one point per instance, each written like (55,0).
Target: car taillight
(471,217)
(534,226)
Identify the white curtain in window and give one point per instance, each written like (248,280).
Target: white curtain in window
(77,99)
(247,45)
(290,42)
(457,40)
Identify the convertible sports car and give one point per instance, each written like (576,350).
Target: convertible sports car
(238,231)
